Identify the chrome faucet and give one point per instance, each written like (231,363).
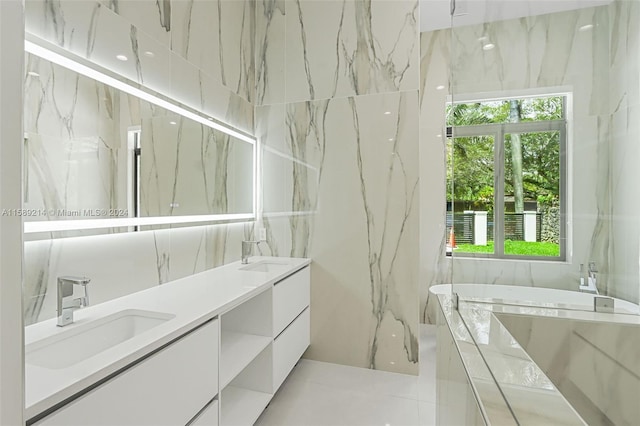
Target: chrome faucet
(591,277)
(590,286)
(246,250)
(66,303)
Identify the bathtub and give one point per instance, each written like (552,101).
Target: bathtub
(534,296)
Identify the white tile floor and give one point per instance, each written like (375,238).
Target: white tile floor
(323,394)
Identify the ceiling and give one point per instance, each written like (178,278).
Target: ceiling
(434,14)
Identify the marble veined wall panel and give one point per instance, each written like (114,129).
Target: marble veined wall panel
(435,267)
(270,51)
(187,168)
(562,52)
(175,61)
(73,147)
(624,104)
(218,37)
(362,234)
(337,115)
(121,264)
(350,47)
(181,49)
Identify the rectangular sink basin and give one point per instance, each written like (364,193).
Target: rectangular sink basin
(84,341)
(266,266)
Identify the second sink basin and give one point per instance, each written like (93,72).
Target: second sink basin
(265,266)
(84,341)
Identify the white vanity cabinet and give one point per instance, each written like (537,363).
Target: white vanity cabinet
(208,416)
(289,346)
(223,372)
(290,297)
(168,388)
(291,323)
(262,340)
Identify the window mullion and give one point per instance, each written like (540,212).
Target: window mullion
(563,193)
(498,200)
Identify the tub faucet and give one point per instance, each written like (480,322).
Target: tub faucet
(66,303)
(246,250)
(590,286)
(591,279)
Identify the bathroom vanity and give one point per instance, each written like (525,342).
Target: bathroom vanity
(208,349)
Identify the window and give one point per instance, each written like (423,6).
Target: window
(506,178)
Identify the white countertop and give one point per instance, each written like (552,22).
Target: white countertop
(193,300)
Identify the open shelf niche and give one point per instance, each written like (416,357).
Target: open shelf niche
(246,360)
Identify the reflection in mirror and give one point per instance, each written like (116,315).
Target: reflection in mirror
(187,168)
(94,152)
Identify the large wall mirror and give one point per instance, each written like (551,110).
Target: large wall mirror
(99,159)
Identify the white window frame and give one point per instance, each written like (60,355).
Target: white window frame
(498,131)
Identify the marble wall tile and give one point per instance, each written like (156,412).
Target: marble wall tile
(362,235)
(88,29)
(435,268)
(218,37)
(338,173)
(121,264)
(151,16)
(73,110)
(270,54)
(187,168)
(547,51)
(336,49)
(94,30)
(237,37)
(624,132)
(72,143)
(195,34)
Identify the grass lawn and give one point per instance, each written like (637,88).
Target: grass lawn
(523,248)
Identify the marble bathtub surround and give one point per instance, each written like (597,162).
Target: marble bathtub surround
(530,395)
(466,393)
(565,349)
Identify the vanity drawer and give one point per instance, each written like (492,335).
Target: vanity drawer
(168,388)
(289,346)
(290,297)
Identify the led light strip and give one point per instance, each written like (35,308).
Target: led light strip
(56,58)
(69,225)
(73,225)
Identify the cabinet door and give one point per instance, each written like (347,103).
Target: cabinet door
(289,347)
(290,297)
(168,388)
